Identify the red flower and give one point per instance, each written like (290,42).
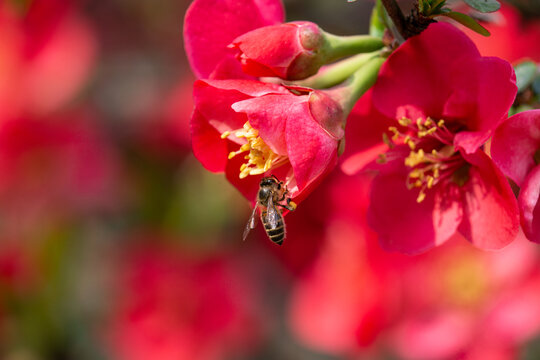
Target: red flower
(513,36)
(248,128)
(38,73)
(446,100)
(210,26)
(516,150)
(453,302)
(53,168)
(289,51)
(171,305)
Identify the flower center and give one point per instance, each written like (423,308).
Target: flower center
(464,280)
(260,158)
(432,158)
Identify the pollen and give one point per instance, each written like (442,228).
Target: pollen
(260,158)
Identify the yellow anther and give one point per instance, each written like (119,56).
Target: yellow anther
(394,130)
(430,180)
(404,122)
(225,134)
(415,158)
(260,158)
(421,196)
(415,173)
(386,140)
(440,123)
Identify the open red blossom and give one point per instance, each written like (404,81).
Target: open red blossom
(210,26)
(249,129)
(515,149)
(445,100)
(289,51)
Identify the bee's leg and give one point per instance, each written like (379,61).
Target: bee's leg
(291,205)
(284,194)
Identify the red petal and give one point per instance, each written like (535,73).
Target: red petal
(491,217)
(415,81)
(208,147)
(483,91)
(286,125)
(363,138)
(403,224)
(274,46)
(529,206)
(210,26)
(213,99)
(514,144)
(269,114)
(312,152)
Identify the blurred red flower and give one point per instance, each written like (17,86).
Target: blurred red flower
(172,305)
(513,36)
(54,167)
(48,52)
(446,101)
(454,302)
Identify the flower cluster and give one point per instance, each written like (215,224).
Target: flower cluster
(435,103)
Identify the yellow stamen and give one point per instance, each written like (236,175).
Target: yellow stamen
(404,122)
(225,134)
(260,157)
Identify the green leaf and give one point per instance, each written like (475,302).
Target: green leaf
(525,74)
(485,6)
(467,21)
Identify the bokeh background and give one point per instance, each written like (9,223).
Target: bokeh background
(116,244)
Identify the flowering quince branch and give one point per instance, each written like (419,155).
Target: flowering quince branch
(441,100)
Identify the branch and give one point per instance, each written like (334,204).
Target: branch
(395,13)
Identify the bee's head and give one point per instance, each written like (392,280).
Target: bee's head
(268,181)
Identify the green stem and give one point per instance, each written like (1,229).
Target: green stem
(360,82)
(343,46)
(336,73)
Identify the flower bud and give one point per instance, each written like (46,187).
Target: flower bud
(295,50)
(289,51)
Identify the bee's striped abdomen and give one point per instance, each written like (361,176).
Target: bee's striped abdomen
(277,234)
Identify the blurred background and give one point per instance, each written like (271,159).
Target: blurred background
(116,244)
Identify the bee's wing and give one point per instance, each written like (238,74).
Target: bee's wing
(272,214)
(251,222)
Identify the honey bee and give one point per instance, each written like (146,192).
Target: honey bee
(271,193)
